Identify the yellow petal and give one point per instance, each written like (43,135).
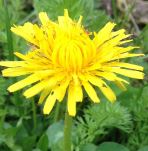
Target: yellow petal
(79,93)
(95,66)
(12,63)
(106,75)
(66,13)
(14,72)
(106,90)
(71,104)
(120,85)
(129,73)
(26,31)
(43,18)
(127,65)
(126,55)
(60,91)
(35,89)
(77,89)
(122,80)
(80,20)
(126,49)
(104,34)
(49,104)
(118,32)
(51,82)
(91,92)
(21,84)
(125,41)
(44,94)
(21,56)
(116,40)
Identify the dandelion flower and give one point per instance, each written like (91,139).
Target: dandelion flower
(65,58)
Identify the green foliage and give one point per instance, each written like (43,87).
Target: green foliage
(3,88)
(106,146)
(88,147)
(43,143)
(111,146)
(76,8)
(142,39)
(144,148)
(99,119)
(55,136)
(136,101)
(14,7)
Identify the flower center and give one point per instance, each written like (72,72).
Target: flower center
(73,53)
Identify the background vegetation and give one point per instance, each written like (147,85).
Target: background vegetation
(122,126)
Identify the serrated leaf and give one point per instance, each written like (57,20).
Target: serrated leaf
(98,119)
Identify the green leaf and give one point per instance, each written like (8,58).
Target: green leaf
(88,147)
(144,37)
(28,142)
(8,31)
(99,119)
(36,149)
(136,101)
(144,149)
(55,136)
(92,18)
(96,20)
(111,146)
(2,112)
(56,8)
(43,143)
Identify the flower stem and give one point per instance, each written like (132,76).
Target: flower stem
(67,132)
(57,110)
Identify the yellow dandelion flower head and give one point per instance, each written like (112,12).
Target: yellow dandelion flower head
(66,58)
